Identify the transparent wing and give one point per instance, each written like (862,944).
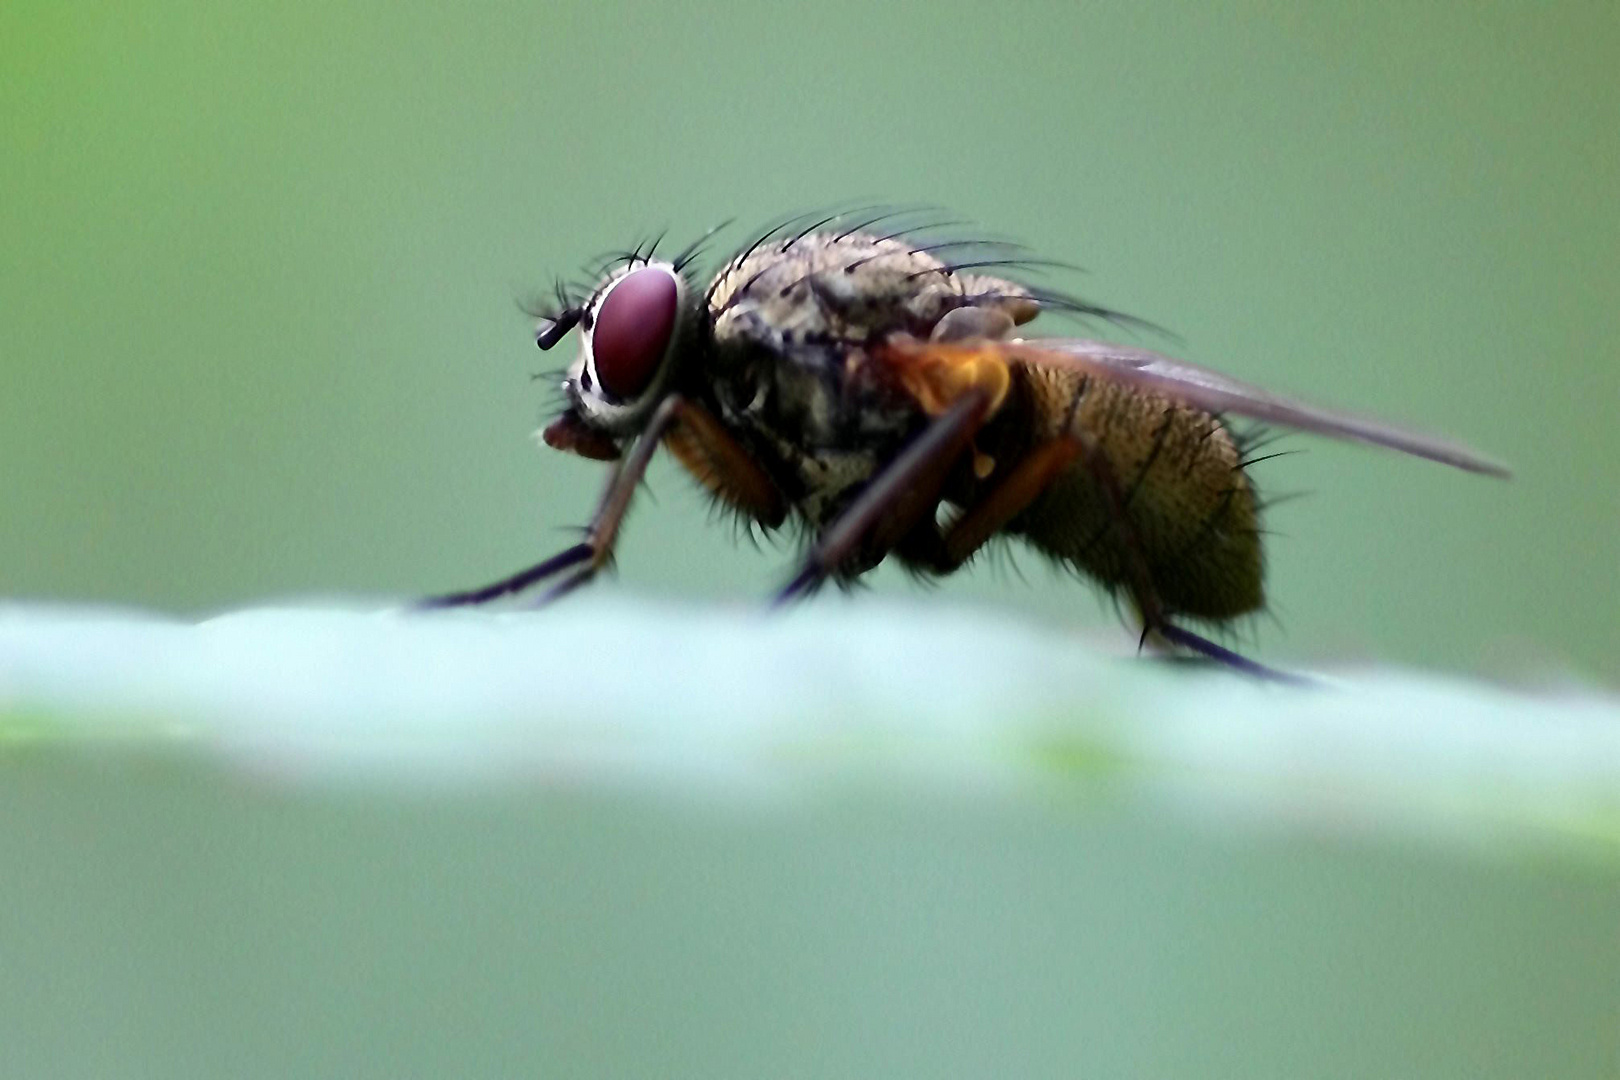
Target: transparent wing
(1214,392)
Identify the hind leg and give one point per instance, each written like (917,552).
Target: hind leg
(1156,623)
(942,552)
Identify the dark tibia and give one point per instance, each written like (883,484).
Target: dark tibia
(514,584)
(1222,655)
(597,547)
(895,500)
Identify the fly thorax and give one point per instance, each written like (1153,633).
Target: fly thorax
(846,288)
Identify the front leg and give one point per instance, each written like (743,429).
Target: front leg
(594,552)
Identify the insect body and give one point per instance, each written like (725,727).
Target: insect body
(878,394)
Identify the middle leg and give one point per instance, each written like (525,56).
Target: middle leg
(895,500)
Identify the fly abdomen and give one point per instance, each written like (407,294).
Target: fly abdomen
(1188,508)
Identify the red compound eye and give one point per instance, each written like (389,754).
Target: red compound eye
(632,330)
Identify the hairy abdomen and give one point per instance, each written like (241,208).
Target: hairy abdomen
(1191,510)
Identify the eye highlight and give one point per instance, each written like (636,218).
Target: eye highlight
(633,328)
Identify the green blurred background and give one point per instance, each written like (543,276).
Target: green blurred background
(259,334)
(259,339)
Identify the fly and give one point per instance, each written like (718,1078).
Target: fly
(875,389)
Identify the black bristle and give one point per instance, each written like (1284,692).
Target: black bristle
(1244,463)
(1018,263)
(808,229)
(1084,309)
(692,250)
(887,214)
(742,256)
(944,245)
(912,230)
(646,260)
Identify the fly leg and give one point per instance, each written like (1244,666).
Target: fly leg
(944,552)
(896,499)
(1150,609)
(591,554)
